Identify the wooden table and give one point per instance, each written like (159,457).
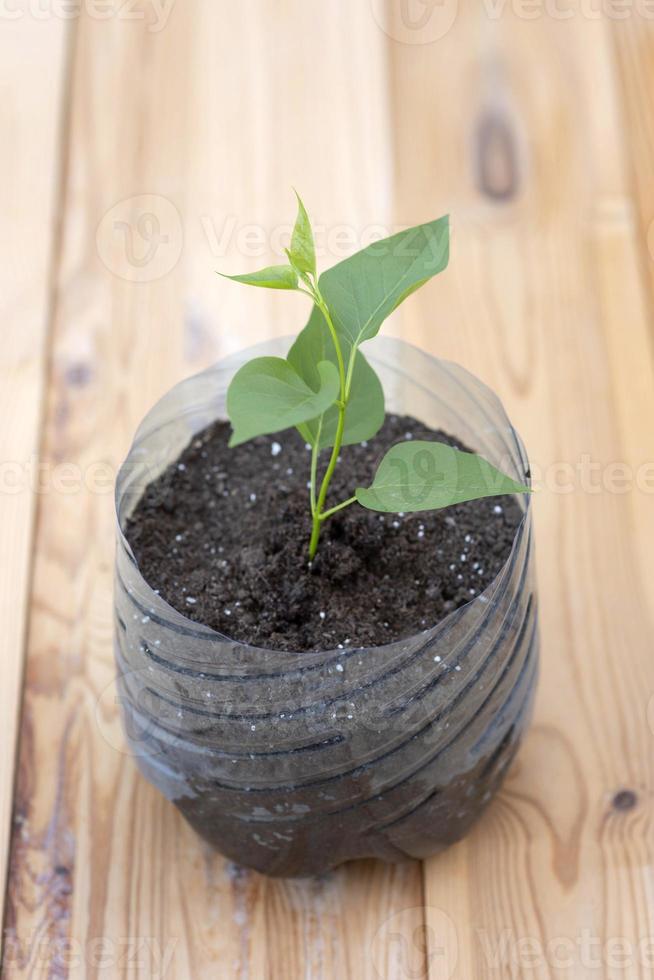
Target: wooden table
(145,145)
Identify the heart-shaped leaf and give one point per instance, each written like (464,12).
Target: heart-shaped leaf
(302,252)
(361,291)
(419,475)
(268,395)
(364,414)
(272,277)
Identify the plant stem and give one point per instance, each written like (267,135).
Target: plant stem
(350,372)
(318,505)
(315,449)
(322,306)
(333,510)
(326,480)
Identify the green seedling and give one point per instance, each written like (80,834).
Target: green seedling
(327,389)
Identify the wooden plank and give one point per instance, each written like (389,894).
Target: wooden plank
(203,125)
(633,44)
(32,63)
(520,137)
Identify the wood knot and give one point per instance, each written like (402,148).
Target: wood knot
(625,799)
(496,157)
(78,375)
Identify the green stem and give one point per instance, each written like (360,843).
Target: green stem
(317,512)
(315,449)
(326,480)
(333,510)
(322,306)
(350,373)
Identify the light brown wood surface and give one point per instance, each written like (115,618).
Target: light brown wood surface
(30,174)
(536,133)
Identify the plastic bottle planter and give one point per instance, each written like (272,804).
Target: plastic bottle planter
(279,760)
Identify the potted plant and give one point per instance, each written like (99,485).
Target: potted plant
(325,624)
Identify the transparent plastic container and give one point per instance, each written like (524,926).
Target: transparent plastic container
(279,760)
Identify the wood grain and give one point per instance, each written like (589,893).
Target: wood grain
(546,300)
(633,43)
(182,143)
(31,121)
(212,118)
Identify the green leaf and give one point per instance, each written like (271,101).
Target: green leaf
(364,414)
(418,475)
(302,252)
(272,277)
(268,395)
(364,289)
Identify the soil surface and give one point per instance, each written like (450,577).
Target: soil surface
(223,534)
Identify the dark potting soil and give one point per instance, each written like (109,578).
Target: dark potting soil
(222,535)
